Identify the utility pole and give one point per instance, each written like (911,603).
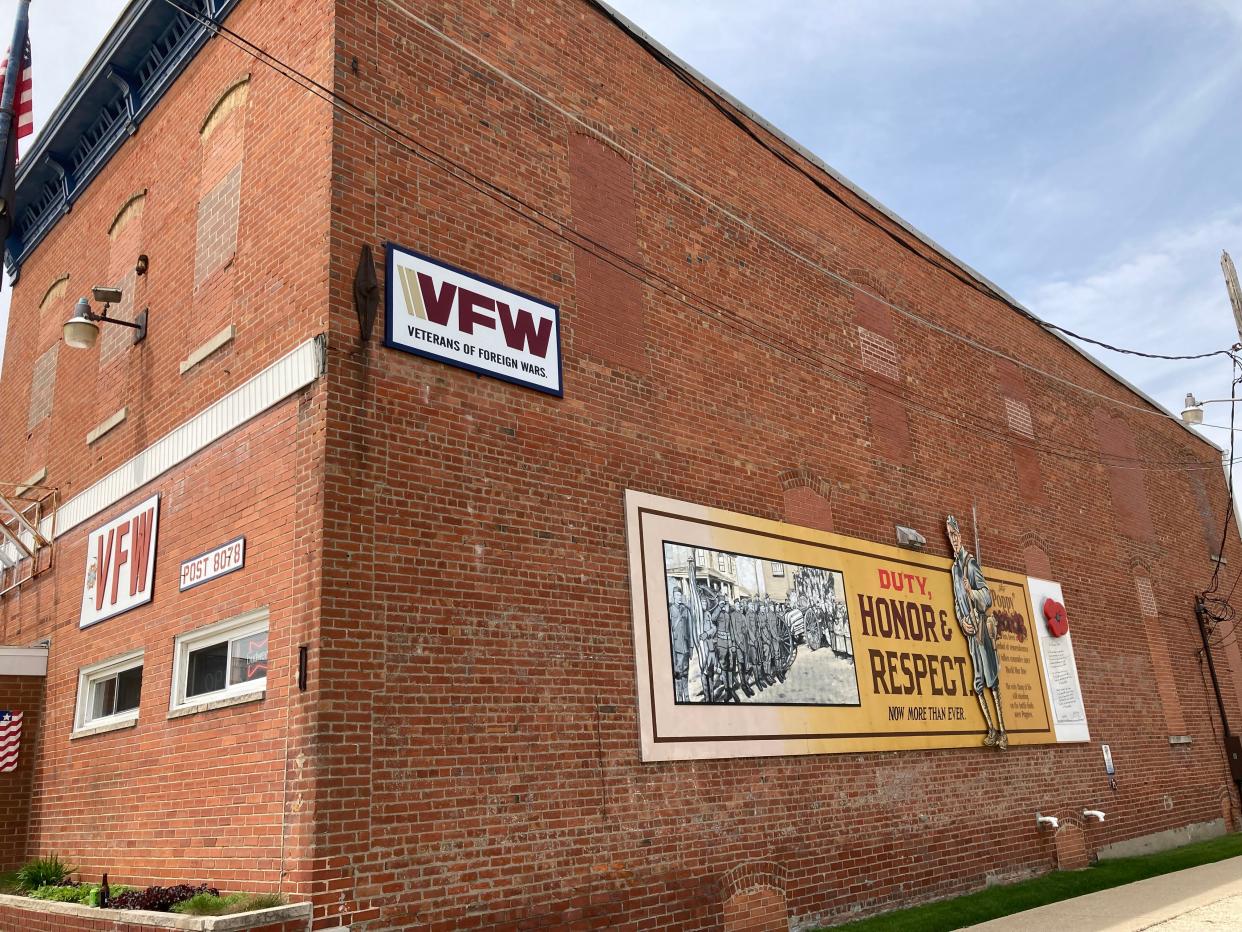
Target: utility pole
(1233,742)
(1235,293)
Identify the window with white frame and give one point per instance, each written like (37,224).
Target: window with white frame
(220,661)
(109,692)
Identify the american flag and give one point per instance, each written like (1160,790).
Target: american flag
(10,740)
(23,102)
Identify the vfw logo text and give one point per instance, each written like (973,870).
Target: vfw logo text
(445,313)
(120,564)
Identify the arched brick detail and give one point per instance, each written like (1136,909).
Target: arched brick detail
(759,909)
(233,98)
(753,874)
(126,241)
(130,210)
(55,291)
(880,282)
(753,895)
(808,500)
(1071,842)
(1035,557)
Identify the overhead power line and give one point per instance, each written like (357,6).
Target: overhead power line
(782,344)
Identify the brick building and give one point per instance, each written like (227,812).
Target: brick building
(411,699)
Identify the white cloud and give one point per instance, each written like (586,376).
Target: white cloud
(1165,294)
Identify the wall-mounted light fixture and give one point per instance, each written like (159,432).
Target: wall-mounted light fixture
(910,538)
(82,329)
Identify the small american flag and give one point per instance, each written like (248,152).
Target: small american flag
(10,740)
(23,102)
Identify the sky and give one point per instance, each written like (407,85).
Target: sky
(1082,154)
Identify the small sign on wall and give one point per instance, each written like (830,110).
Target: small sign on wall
(225,559)
(120,564)
(448,314)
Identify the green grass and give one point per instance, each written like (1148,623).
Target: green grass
(204,904)
(9,882)
(994,902)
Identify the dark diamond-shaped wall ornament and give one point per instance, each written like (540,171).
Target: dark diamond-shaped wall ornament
(366,293)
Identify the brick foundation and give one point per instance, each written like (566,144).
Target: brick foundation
(19,915)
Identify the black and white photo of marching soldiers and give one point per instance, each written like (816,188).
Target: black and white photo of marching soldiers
(748,630)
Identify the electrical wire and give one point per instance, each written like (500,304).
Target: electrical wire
(727,110)
(1132,352)
(628,265)
(775,241)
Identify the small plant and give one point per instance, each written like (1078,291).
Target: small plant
(64,893)
(43,872)
(159,899)
(204,904)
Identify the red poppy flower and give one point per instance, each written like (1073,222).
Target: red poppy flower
(1054,613)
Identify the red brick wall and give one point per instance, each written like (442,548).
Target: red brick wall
(276,285)
(476,617)
(202,797)
(24,694)
(467,753)
(227,795)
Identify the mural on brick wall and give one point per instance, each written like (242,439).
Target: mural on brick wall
(754,637)
(972,606)
(743,629)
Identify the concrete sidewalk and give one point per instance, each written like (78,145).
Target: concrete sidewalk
(1205,897)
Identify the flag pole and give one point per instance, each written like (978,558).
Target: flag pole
(8,122)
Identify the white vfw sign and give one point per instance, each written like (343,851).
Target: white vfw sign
(445,313)
(120,564)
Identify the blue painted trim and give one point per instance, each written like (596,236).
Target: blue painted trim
(391,247)
(148,48)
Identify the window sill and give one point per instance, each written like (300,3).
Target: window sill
(214,704)
(103,729)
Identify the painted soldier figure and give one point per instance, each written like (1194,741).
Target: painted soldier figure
(682,635)
(838,622)
(739,647)
(972,602)
(766,641)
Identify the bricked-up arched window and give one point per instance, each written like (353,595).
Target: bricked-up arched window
(55,293)
(608,323)
(125,244)
(1158,649)
(1016,401)
(42,386)
(1036,559)
(1129,491)
(881,362)
(222,140)
(807,499)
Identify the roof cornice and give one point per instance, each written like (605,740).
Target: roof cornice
(147,48)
